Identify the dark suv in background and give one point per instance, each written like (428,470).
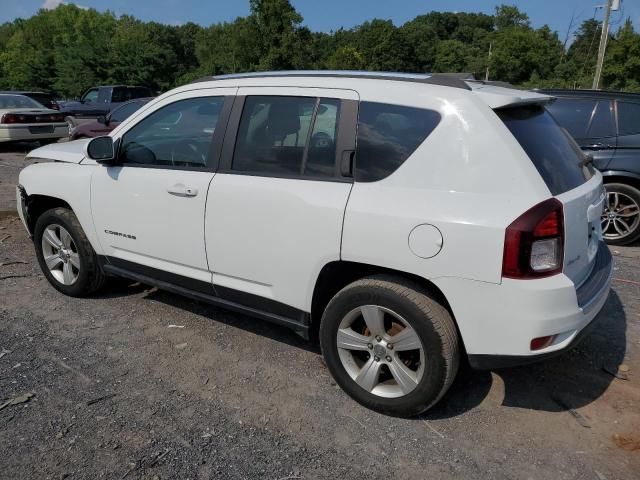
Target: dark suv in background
(607,126)
(101,100)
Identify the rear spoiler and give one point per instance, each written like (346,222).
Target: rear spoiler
(500,97)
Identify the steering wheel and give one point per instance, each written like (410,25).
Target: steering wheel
(187,151)
(321,140)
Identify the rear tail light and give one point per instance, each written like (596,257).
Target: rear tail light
(32,118)
(534,242)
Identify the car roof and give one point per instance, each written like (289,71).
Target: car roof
(428,78)
(23,92)
(493,95)
(606,94)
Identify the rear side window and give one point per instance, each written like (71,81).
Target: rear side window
(584,118)
(628,118)
(287,136)
(553,152)
(573,114)
(387,136)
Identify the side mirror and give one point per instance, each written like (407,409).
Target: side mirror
(102,119)
(102,150)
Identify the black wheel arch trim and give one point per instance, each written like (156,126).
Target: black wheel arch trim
(620,173)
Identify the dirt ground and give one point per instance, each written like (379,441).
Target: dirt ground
(136,383)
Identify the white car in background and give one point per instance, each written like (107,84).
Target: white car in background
(24,119)
(405,221)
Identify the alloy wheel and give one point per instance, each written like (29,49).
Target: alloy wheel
(621,216)
(380,351)
(60,254)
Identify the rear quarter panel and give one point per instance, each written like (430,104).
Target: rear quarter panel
(470,179)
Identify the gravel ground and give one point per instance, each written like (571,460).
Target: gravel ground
(119,394)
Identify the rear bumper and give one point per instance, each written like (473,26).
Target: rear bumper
(12,133)
(498,322)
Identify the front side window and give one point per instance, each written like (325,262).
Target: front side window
(177,135)
(287,136)
(628,118)
(91,96)
(387,136)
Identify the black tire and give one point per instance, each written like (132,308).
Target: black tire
(90,276)
(634,194)
(431,321)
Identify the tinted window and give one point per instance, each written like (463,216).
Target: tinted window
(602,123)
(321,156)
(120,94)
(628,118)
(573,114)
(138,92)
(178,135)
(42,98)
(287,136)
(387,135)
(553,152)
(123,112)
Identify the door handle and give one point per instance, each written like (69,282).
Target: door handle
(181,190)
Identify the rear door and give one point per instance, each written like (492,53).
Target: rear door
(559,161)
(275,208)
(591,122)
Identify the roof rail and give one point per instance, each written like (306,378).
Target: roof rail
(426,78)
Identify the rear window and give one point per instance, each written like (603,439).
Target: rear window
(553,152)
(387,136)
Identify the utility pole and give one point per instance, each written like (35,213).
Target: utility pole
(604,36)
(486,75)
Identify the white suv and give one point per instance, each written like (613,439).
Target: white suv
(405,221)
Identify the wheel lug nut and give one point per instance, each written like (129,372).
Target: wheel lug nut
(378,338)
(369,346)
(388,359)
(389,346)
(377,359)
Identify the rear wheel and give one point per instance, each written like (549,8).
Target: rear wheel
(389,345)
(65,255)
(621,215)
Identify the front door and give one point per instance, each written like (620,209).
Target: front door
(149,210)
(275,208)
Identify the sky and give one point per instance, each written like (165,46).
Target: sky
(327,15)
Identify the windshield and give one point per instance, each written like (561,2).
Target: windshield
(553,152)
(18,101)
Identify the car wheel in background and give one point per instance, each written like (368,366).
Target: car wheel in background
(621,215)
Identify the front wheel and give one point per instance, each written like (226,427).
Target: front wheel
(389,345)
(621,216)
(65,255)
